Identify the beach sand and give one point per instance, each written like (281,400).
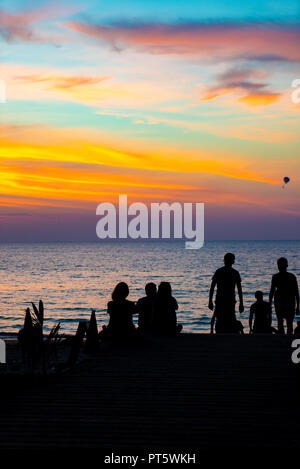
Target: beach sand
(194,391)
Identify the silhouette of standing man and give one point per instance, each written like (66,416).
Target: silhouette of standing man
(226,279)
(284,289)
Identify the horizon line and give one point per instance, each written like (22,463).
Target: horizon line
(112,241)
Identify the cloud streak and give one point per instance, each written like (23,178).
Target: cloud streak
(224,40)
(21,27)
(61,82)
(241,81)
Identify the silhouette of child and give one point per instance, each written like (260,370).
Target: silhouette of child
(164,312)
(120,310)
(284,289)
(145,308)
(262,313)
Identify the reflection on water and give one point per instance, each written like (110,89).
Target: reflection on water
(72,279)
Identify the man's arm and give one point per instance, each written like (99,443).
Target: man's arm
(272,291)
(211,294)
(240,293)
(251,318)
(212,323)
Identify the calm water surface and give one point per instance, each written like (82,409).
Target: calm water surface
(72,279)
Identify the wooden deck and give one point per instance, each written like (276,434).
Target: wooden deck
(194,391)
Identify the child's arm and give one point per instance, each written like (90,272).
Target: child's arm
(240,293)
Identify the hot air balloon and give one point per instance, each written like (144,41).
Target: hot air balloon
(285,180)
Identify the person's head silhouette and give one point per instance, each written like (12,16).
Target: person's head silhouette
(164,289)
(282,264)
(259,295)
(150,289)
(121,291)
(229,259)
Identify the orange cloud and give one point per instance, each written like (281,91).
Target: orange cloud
(92,152)
(64,83)
(260,99)
(35,83)
(77,173)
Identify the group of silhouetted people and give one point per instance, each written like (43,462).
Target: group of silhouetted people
(156,314)
(284,291)
(157,310)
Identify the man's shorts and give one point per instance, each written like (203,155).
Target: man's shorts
(285,311)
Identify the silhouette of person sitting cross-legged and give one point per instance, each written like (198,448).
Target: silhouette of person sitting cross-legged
(262,312)
(120,310)
(226,279)
(284,290)
(164,312)
(145,308)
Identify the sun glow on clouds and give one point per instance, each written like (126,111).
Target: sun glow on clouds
(176,110)
(86,171)
(85,152)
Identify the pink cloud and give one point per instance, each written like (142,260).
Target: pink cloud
(222,40)
(20,27)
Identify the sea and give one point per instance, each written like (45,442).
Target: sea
(73,279)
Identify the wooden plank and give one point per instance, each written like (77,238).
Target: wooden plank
(195,390)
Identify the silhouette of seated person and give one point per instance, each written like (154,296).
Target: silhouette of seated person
(164,312)
(284,290)
(120,328)
(226,280)
(145,308)
(261,311)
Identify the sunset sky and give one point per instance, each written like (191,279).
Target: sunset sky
(159,100)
